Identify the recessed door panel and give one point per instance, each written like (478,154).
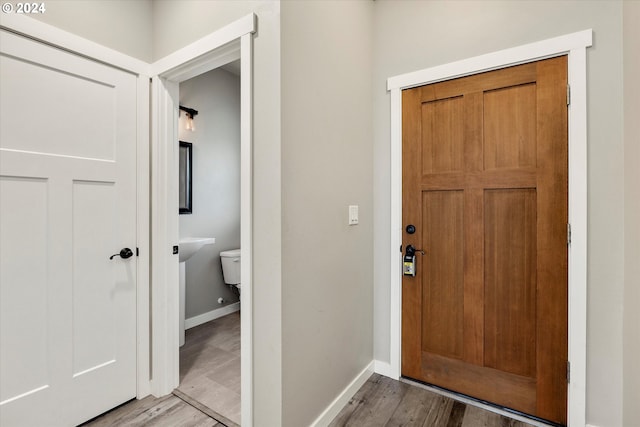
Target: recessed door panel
(94,284)
(25,294)
(443,246)
(510,127)
(510,281)
(442,137)
(74,108)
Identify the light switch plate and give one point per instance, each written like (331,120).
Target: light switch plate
(353,214)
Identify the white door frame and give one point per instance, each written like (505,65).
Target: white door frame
(574,45)
(50,35)
(234,41)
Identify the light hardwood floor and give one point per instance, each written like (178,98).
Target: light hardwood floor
(209,390)
(166,411)
(209,394)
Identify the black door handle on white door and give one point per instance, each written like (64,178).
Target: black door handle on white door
(124,254)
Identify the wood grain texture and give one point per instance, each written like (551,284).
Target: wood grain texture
(382,401)
(168,411)
(552,238)
(443,135)
(510,281)
(509,390)
(513,76)
(499,139)
(443,289)
(411,286)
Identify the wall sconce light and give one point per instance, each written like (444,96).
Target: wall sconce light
(190,113)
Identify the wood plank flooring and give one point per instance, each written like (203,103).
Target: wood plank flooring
(209,394)
(382,401)
(168,411)
(209,390)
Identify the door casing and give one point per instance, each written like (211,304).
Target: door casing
(574,46)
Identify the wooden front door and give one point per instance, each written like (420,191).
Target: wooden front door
(485,186)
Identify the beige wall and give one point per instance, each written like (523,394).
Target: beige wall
(176,23)
(122,25)
(327,292)
(631,31)
(412,35)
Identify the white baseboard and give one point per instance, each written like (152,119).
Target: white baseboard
(343,398)
(211,315)
(384,369)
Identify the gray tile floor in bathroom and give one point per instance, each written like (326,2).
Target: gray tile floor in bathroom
(210,367)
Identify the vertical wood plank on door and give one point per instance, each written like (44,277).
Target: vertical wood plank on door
(552,244)
(473,349)
(443,304)
(510,281)
(411,286)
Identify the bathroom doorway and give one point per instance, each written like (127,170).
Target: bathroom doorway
(209,126)
(226,45)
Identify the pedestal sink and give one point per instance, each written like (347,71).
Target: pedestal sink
(188,248)
(190,245)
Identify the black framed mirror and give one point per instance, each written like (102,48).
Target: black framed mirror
(184,188)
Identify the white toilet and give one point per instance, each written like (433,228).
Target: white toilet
(231,267)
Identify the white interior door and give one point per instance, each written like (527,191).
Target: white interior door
(67,203)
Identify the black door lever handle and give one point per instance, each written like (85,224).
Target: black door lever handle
(411,250)
(124,254)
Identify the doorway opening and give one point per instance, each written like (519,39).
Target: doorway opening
(210,282)
(229,44)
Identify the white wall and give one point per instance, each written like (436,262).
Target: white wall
(123,25)
(216,184)
(412,35)
(327,293)
(631,13)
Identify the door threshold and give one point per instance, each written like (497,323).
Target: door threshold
(204,408)
(501,410)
